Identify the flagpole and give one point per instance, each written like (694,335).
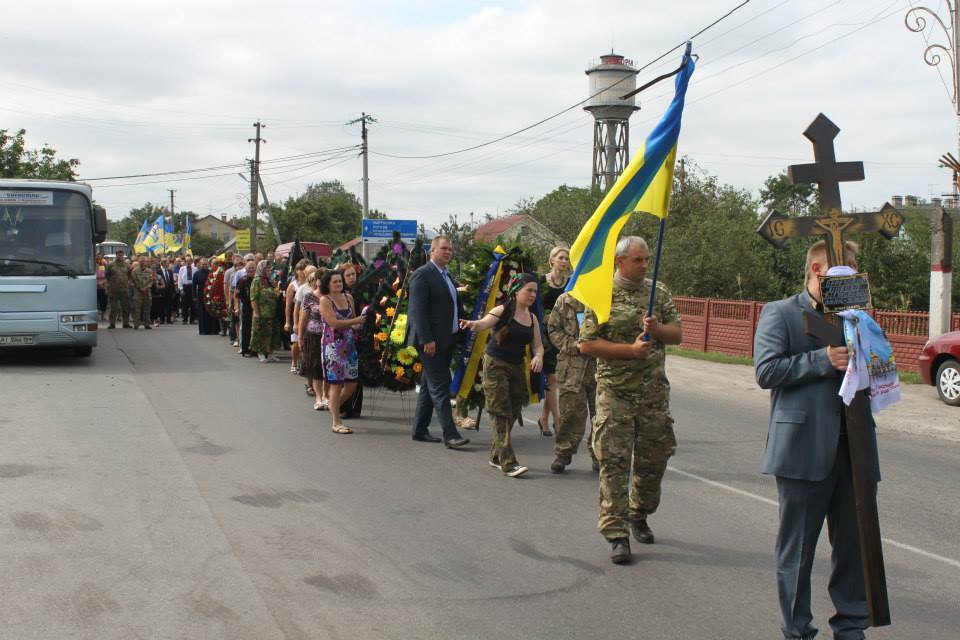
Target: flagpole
(656,270)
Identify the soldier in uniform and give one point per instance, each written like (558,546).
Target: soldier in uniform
(118,280)
(577,377)
(142,277)
(633,430)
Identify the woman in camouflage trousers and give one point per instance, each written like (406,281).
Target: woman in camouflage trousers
(505,383)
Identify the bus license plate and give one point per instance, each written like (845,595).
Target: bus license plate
(15,340)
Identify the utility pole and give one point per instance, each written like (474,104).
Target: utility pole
(364,120)
(941,274)
(254,181)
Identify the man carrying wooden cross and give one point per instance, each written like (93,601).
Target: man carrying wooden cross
(823,453)
(807,451)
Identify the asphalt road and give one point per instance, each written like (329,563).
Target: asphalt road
(167,488)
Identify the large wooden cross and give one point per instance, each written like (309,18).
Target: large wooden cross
(835,226)
(834,223)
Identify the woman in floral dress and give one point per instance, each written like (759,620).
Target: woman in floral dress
(263,299)
(340,361)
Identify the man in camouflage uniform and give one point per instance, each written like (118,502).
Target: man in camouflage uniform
(576,374)
(118,281)
(142,277)
(633,430)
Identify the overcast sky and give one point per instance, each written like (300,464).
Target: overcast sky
(131,88)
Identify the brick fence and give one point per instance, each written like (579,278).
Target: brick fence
(727,326)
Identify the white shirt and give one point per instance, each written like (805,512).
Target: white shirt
(186,280)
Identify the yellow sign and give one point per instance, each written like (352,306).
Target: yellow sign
(243,239)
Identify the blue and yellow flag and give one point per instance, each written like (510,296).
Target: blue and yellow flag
(138,246)
(171,241)
(153,240)
(186,242)
(643,186)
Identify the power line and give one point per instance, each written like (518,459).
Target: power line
(226,166)
(573,106)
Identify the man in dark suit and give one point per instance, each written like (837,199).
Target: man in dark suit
(166,286)
(434,321)
(808,453)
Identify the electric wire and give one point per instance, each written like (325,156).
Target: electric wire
(224,166)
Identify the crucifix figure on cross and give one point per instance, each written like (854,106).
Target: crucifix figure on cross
(807,325)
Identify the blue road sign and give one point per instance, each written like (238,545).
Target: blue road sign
(383,229)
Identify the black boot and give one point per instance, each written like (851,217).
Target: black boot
(620,551)
(641,531)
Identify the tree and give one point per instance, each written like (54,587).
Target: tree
(16,161)
(709,244)
(784,266)
(461,235)
(127,228)
(376,214)
(204,245)
(326,212)
(564,210)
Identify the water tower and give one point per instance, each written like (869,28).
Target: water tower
(612,78)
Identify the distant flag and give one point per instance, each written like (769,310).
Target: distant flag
(154,241)
(170,240)
(138,246)
(643,186)
(188,237)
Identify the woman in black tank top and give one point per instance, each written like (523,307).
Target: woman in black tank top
(505,383)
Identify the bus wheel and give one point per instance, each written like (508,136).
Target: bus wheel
(83,352)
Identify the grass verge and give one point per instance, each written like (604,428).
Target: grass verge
(906,377)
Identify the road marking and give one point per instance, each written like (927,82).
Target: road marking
(893,543)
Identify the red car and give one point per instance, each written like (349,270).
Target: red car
(940,366)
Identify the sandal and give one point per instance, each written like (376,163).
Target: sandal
(339,428)
(309,391)
(544,430)
(317,407)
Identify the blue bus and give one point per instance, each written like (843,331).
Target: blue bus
(48,282)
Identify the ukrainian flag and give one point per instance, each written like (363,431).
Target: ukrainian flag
(643,186)
(138,246)
(170,240)
(154,239)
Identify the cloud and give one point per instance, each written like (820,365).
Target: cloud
(131,88)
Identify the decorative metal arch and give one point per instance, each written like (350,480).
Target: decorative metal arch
(916,20)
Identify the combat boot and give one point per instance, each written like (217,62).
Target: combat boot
(641,531)
(558,465)
(620,551)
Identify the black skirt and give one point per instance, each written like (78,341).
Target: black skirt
(311,356)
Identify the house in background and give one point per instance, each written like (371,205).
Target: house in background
(217,228)
(520,227)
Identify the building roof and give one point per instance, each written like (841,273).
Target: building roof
(216,219)
(498,226)
(349,243)
(490,230)
(322,249)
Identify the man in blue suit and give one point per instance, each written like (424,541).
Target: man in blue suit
(434,321)
(808,453)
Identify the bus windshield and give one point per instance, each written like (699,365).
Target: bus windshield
(45,232)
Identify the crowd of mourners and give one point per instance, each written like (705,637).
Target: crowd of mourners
(261,306)
(604,378)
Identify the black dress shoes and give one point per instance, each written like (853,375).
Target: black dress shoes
(425,437)
(455,443)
